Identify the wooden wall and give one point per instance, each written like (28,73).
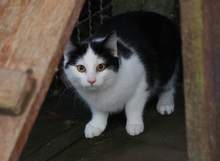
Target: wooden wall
(201,56)
(32,37)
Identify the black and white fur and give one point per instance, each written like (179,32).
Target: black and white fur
(140,52)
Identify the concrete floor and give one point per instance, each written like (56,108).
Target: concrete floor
(58,135)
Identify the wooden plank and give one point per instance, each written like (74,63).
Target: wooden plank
(211,45)
(14,97)
(201,58)
(32,36)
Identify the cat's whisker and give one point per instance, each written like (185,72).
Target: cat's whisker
(62,94)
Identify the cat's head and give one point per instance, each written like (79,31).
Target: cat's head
(92,64)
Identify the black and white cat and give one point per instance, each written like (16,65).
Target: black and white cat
(132,57)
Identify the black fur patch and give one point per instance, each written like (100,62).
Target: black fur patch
(111,61)
(79,50)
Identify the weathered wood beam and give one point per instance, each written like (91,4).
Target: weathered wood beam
(201,58)
(16,88)
(32,36)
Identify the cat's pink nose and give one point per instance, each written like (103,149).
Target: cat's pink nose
(92,81)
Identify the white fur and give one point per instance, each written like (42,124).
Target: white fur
(112,92)
(101,39)
(165,104)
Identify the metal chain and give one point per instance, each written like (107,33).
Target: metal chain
(77,31)
(90,19)
(93,15)
(90,16)
(101,14)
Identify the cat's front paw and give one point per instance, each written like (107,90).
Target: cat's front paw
(164,109)
(92,131)
(134,129)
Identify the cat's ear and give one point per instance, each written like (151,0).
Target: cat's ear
(70,47)
(110,42)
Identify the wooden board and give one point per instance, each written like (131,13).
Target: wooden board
(32,36)
(201,59)
(16,89)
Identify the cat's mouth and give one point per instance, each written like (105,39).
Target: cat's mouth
(92,87)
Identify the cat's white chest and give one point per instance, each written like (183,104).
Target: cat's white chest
(106,101)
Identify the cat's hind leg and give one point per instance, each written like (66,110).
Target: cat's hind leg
(165,103)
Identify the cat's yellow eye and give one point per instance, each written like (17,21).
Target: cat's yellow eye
(81,68)
(101,67)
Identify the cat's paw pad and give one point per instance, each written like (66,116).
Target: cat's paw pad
(134,129)
(165,109)
(92,131)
